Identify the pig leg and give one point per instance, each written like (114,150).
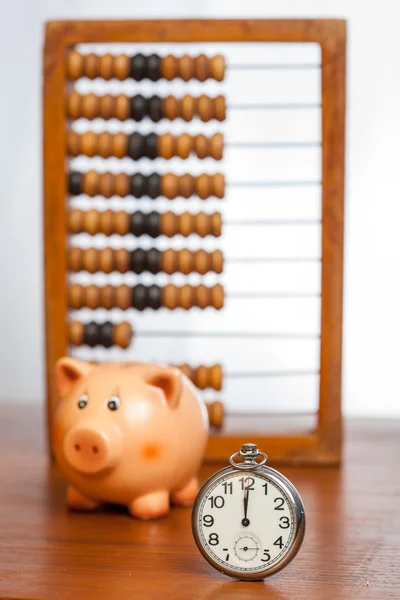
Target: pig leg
(186,495)
(76,501)
(150,506)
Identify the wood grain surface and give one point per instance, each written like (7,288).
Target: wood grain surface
(351,549)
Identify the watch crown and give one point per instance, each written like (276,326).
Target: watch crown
(249,450)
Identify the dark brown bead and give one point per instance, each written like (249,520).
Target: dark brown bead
(75,183)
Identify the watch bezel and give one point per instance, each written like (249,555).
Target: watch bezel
(297,507)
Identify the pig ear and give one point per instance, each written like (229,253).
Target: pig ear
(169,380)
(68,371)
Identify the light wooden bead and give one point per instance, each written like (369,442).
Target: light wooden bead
(186,67)
(88,143)
(91,260)
(217,67)
(107,107)
(92,219)
(183,145)
(90,183)
(219,185)
(106,260)
(75,221)
(171,107)
(122,66)
(202,67)
(205,107)
(186,224)
(92,66)
(217,261)
(73,143)
(122,184)
(106,66)
(75,258)
(201,146)
(75,333)
(169,67)
(188,106)
(166,146)
(122,107)
(74,65)
(169,185)
(122,260)
(75,296)
(123,297)
(215,412)
(121,222)
(203,186)
(216,224)
(74,105)
(90,106)
(120,145)
(186,185)
(123,334)
(220,108)
(217,146)
(106,222)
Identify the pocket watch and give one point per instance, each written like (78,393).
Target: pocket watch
(248,520)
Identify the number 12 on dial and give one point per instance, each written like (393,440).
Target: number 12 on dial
(248,520)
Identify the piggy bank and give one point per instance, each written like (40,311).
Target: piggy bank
(128,433)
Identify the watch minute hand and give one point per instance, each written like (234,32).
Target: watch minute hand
(246,502)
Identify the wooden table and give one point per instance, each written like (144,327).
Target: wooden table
(351,550)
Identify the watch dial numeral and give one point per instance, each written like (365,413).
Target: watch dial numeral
(208,520)
(226,550)
(265,486)
(279,506)
(213,539)
(217,502)
(227,486)
(279,542)
(285,521)
(247,483)
(267,556)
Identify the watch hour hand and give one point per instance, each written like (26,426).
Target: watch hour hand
(245,520)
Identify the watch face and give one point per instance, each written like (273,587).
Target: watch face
(248,524)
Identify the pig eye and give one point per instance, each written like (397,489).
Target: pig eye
(83,400)
(113,402)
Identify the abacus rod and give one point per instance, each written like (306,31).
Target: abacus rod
(241,184)
(227,334)
(274,222)
(236,145)
(272,259)
(272,295)
(256,66)
(268,106)
(261,374)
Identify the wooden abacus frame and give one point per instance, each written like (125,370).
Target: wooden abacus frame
(322,446)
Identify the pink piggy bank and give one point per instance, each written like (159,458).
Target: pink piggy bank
(128,433)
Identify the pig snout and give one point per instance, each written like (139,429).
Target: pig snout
(89,450)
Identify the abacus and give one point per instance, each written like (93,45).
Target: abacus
(193,214)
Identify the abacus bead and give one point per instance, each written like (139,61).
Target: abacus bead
(88,143)
(91,260)
(186,297)
(201,67)
(139,297)
(153,260)
(107,185)
(187,108)
(76,296)
(136,145)
(75,183)
(203,186)
(107,330)
(75,221)
(217,146)
(105,143)
(169,223)
(123,297)
(215,414)
(217,67)
(119,223)
(138,261)
(93,297)
(153,185)
(106,66)
(170,296)
(107,297)
(185,261)
(218,296)
(205,108)
(216,377)
(91,334)
(169,185)
(122,259)
(153,224)
(186,221)
(75,258)
(74,65)
(202,262)
(122,184)
(91,221)
(216,224)
(220,108)
(122,334)
(166,145)
(90,105)
(202,296)
(168,261)
(201,377)
(106,260)
(106,223)
(122,66)
(186,185)
(201,146)
(138,70)
(154,67)
(137,223)
(73,143)
(138,185)
(169,67)
(92,66)
(171,107)
(138,107)
(122,108)
(74,105)
(219,185)
(217,261)
(108,107)
(119,145)
(151,143)
(154,297)
(90,183)
(155,109)
(183,145)
(186,67)
(76,333)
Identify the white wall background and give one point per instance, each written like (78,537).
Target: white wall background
(372,296)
